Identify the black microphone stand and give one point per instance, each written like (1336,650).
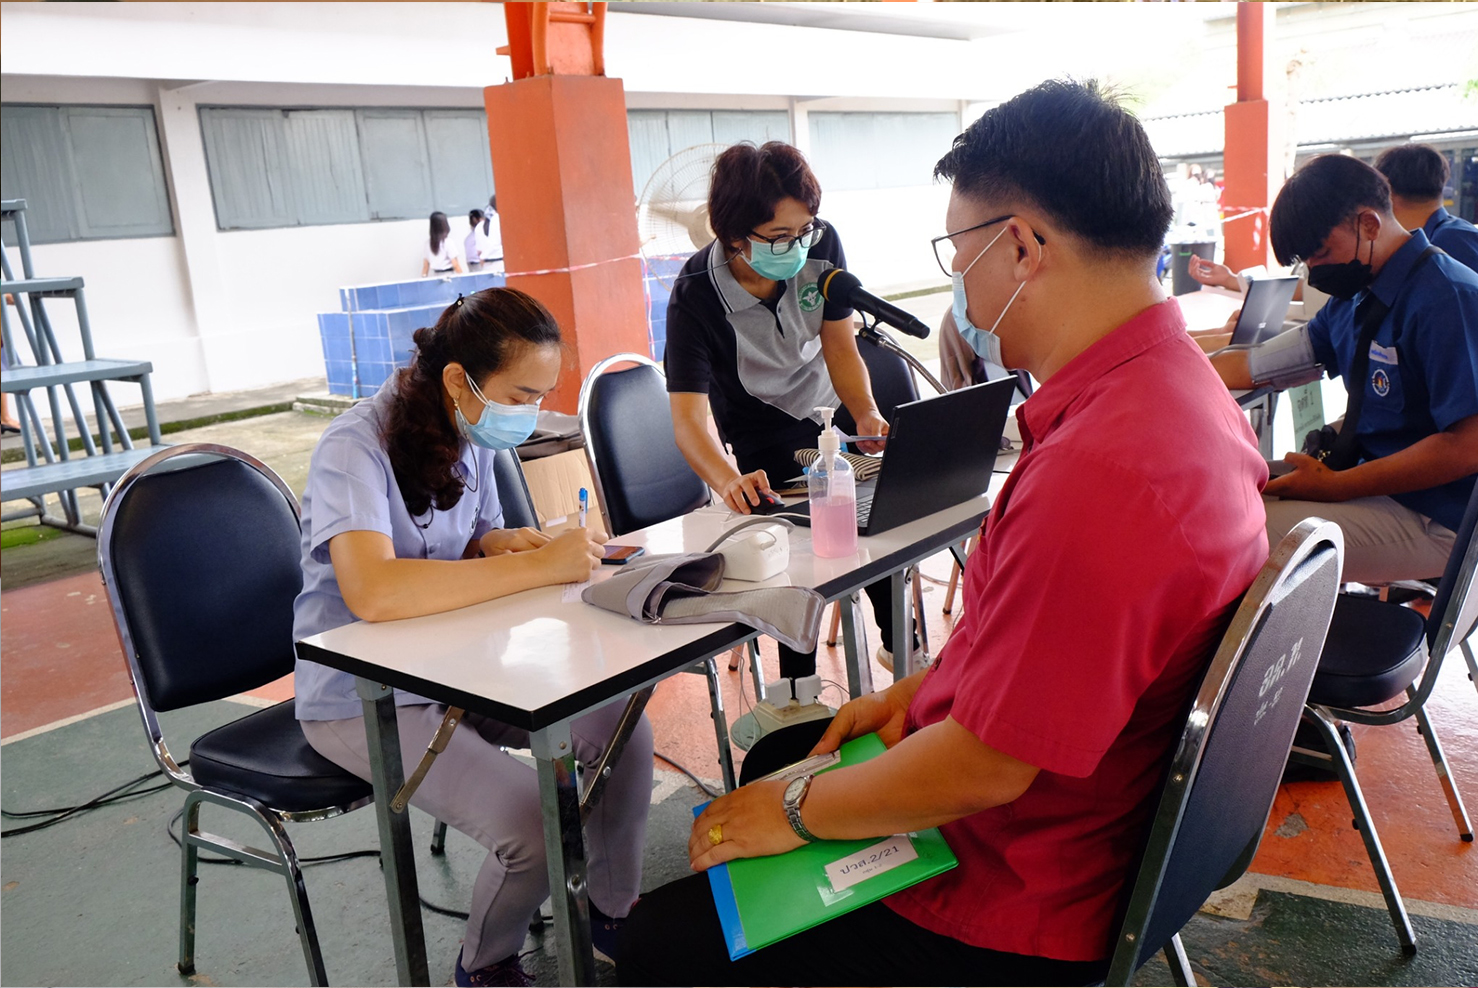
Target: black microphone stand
(871,332)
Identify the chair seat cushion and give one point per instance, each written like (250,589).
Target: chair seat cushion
(264,755)
(1374,651)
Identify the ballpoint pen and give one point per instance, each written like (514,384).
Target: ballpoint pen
(584,505)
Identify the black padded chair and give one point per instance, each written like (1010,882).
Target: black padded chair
(641,478)
(1376,652)
(200,558)
(1221,781)
(513,491)
(648,480)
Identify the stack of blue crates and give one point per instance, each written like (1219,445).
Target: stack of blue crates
(379,320)
(654,271)
(371,336)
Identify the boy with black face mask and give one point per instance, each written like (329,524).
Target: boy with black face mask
(1401,330)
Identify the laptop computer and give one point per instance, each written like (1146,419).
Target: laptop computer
(1263,310)
(940,451)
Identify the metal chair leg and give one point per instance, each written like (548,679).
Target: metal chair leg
(720,724)
(734,658)
(1444,774)
(836,623)
(438,838)
(954,583)
(921,627)
(307,931)
(189,879)
(1472,664)
(1180,965)
(757,670)
(1340,758)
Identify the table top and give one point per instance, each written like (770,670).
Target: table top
(540,656)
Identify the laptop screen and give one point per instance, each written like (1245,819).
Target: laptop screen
(1263,310)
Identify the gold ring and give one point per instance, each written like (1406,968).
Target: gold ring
(716,834)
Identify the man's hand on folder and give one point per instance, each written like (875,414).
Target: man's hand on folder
(883,713)
(749,822)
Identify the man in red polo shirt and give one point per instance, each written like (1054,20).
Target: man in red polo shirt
(1108,569)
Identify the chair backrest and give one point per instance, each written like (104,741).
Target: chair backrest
(893,382)
(201,561)
(513,491)
(1455,611)
(1225,771)
(640,474)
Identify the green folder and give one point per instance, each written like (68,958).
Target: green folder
(761,901)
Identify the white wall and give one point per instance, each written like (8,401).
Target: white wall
(886,233)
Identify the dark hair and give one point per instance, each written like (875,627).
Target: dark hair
(1415,171)
(1321,195)
(747,182)
(482,332)
(440,228)
(475,217)
(493,202)
(1069,149)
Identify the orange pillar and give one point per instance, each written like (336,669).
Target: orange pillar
(1253,160)
(562,166)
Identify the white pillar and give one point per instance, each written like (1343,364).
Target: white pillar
(184,153)
(800,126)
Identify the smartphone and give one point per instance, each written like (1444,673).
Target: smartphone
(618,555)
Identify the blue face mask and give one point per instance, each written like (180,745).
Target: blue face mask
(499,426)
(776,267)
(985,342)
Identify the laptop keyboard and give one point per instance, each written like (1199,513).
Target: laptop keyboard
(864,507)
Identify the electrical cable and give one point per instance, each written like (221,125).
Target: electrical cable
(696,781)
(119,793)
(114,795)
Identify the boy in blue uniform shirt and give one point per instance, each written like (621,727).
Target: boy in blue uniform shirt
(1418,175)
(1416,440)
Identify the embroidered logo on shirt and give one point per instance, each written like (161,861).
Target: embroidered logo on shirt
(810,298)
(1381,382)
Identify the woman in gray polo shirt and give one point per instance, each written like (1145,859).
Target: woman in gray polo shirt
(749,335)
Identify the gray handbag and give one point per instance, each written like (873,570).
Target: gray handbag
(681,588)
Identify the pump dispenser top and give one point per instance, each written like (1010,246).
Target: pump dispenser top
(833,495)
(829,443)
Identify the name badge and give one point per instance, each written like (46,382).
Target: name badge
(885,855)
(1382,354)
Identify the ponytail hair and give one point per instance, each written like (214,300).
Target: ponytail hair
(482,332)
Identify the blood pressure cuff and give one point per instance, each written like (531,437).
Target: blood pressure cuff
(1285,361)
(683,589)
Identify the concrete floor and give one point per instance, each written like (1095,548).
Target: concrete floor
(92,901)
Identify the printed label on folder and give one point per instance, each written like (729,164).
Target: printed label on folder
(885,855)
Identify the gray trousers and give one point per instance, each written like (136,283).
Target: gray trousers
(481,790)
(1384,541)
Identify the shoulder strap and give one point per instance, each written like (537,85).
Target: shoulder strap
(1344,453)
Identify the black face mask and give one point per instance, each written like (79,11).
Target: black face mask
(1343,280)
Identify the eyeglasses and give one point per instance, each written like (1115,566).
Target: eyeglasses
(782,244)
(944,247)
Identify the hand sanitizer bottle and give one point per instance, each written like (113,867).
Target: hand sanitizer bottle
(833,495)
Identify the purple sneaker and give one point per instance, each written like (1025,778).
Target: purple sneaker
(506,972)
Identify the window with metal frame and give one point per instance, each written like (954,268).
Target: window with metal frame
(275,167)
(86,172)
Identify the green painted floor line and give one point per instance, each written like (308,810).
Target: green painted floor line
(108,880)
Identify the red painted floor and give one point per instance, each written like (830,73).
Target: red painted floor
(61,659)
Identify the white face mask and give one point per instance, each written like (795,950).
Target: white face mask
(985,342)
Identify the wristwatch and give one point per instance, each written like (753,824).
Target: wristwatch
(795,795)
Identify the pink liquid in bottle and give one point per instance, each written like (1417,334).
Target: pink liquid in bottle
(834,527)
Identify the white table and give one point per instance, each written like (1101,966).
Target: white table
(537,660)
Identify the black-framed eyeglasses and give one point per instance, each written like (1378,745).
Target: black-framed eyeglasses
(944,247)
(782,244)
